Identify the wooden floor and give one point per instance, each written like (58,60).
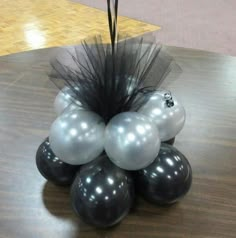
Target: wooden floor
(27,24)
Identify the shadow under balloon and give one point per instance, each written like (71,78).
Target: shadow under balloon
(56,200)
(146,209)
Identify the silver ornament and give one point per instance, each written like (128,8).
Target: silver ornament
(64,99)
(167,112)
(77,137)
(131,140)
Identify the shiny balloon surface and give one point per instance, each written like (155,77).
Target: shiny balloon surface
(65,99)
(131,140)
(102,194)
(167,179)
(53,169)
(77,136)
(169,118)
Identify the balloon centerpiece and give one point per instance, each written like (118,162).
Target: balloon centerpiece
(112,119)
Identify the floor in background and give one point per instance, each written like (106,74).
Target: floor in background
(27,24)
(201,24)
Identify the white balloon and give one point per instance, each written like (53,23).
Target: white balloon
(77,137)
(167,112)
(131,141)
(65,99)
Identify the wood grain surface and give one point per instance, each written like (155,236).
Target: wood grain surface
(30,207)
(30,25)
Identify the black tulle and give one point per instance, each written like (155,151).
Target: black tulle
(112,78)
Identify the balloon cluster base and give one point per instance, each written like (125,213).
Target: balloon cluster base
(103,194)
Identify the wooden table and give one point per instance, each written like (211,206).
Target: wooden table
(30,207)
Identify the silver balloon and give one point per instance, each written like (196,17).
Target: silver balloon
(131,140)
(65,99)
(167,112)
(77,137)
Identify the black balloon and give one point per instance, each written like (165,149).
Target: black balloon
(52,168)
(167,179)
(170,142)
(102,194)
